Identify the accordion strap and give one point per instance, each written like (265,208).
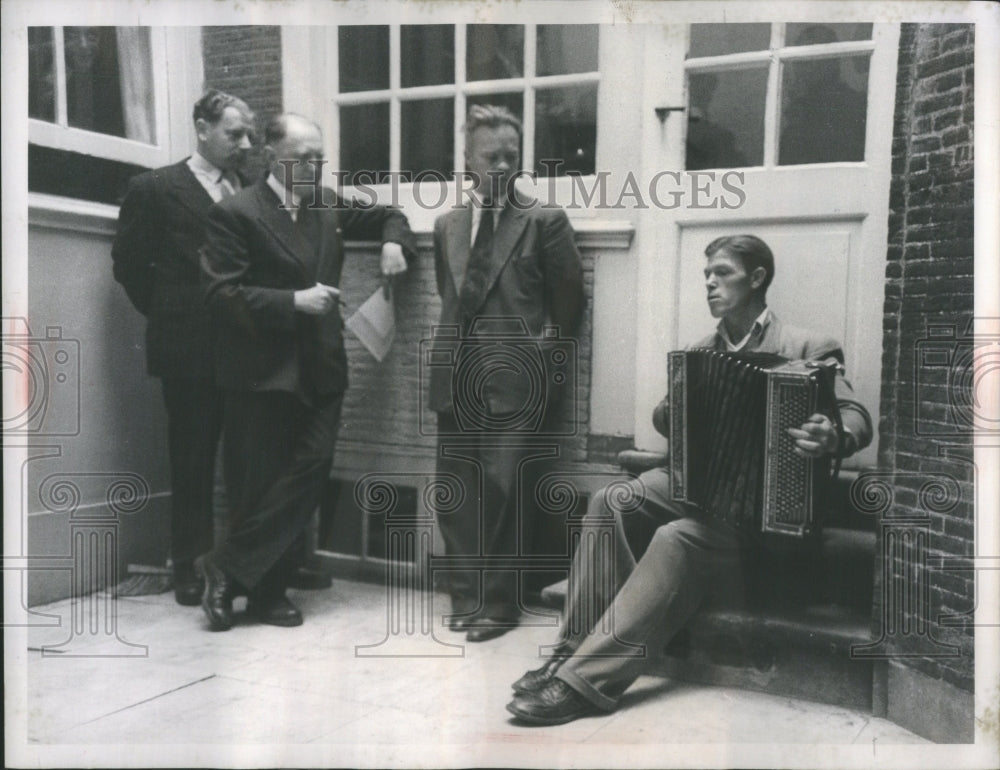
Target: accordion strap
(827,374)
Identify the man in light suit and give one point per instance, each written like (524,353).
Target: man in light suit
(161,226)
(272,263)
(507,270)
(692,555)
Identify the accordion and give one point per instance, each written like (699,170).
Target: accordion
(730,453)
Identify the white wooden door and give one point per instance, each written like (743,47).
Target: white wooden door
(798,119)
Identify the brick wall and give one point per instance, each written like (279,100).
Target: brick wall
(926,448)
(246,62)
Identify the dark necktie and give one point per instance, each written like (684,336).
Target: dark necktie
(478,270)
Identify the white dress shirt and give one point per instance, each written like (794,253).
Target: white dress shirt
(756,326)
(212,178)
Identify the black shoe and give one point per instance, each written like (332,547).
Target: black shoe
(535,680)
(555,704)
(307,579)
(217,601)
(460,622)
(275,611)
(484,629)
(188,587)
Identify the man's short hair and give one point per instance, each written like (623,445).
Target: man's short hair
(750,250)
(277,127)
(211,106)
(490,116)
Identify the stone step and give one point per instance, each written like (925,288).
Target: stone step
(804,652)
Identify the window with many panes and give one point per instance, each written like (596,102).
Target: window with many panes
(409,87)
(777,94)
(96,108)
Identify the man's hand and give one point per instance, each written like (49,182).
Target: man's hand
(318,300)
(816,437)
(393,261)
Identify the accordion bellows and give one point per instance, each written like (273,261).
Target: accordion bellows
(730,453)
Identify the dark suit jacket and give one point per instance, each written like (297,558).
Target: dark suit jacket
(536,280)
(255,259)
(161,226)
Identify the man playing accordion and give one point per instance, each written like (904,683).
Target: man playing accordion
(692,554)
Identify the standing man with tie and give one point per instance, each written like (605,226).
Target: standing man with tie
(505,268)
(161,226)
(272,262)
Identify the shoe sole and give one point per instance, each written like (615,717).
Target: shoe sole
(538,721)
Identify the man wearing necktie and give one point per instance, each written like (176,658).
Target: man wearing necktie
(161,226)
(272,263)
(510,279)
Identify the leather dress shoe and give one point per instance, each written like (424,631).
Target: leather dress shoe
(535,680)
(307,579)
(275,611)
(188,587)
(554,704)
(484,629)
(460,622)
(217,601)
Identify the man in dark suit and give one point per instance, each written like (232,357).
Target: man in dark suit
(272,262)
(619,610)
(161,226)
(509,273)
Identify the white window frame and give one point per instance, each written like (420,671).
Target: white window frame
(61,136)
(460,90)
(773,57)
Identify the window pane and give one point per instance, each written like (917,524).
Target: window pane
(566,130)
(363,53)
(428,55)
(41,74)
(566,48)
(93,87)
(726,118)
(428,136)
(494,51)
(74,175)
(364,139)
(811,34)
(823,110)
(717,39)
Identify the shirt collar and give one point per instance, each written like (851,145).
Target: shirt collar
(282,192)
(758,326)
(199,164)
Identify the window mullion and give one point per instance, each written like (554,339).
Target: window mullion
(461,38)
(772,101)
(395,110)
(59,50)
(530,68)
(333,83)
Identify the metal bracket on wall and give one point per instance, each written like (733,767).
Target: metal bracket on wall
(662,112)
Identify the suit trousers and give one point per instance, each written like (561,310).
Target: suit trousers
(194,424)
(620,613)
(277,455)
(495,517)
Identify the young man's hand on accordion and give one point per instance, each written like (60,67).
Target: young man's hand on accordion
(818,436)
